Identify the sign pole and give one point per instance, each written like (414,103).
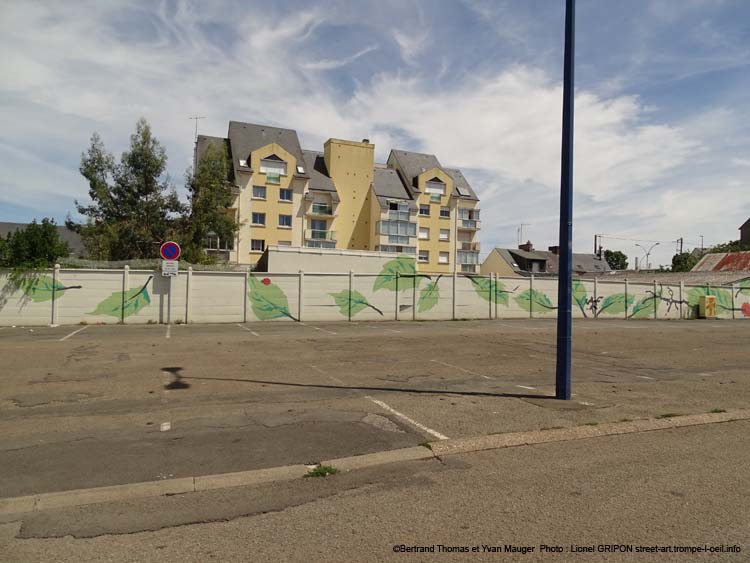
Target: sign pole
(564,297)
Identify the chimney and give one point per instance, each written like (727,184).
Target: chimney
(365,140)
(528,247)
(554,250)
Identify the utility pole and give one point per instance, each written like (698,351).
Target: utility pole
(565,282)
(680,242)
(701,243)
(520,232)
(196,118)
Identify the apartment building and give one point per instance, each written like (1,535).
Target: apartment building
(341,198)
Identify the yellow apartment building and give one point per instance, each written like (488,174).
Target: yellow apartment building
(341,198)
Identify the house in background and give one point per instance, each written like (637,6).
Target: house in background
(71,237)
(340,198)
(525,261)
(724,262)
(745,232)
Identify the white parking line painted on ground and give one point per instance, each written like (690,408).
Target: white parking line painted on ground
(644,376)
(169,331)
(318,328)
(393,411)
(73,333)
(459,368)
(526,387)
(247,329)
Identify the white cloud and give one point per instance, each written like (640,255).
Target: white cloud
(330,64)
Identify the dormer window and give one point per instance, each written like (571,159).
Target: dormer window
(273,166)
(435,186)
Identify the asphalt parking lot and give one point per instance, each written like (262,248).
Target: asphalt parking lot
(87,406)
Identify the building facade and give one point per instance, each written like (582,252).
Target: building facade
(341,198)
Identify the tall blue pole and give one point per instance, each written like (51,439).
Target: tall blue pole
(564,294)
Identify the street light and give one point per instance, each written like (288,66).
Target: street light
(647,252)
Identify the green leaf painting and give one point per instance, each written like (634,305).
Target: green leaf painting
(723,297)
(351,303)
(267,299)
(482,287)
(615,304)
(536,300)
(744,287)
(124,304)
(404,268)
(41,288)
(429,296)
(646,307)
(579,295)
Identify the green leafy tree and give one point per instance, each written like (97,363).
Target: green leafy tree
(731,246)
(210,195)
(683,262)
(133,203)
(616,259)
(38,245)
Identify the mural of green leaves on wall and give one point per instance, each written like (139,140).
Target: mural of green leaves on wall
(267,299)
(486,287)
(723,297)
(536,300)
(646,307)
(352,302)
(401,272)
(41,288)
(580,295)
(429,296)
(615,304)
(123,304)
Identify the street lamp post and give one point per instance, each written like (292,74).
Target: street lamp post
(647,252)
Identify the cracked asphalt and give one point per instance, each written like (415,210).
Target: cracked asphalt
(122,404)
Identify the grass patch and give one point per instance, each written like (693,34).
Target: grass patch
(715,411)
(426,445)
(626,420)
(553,427)
(669,415)
(322,471)
(83,323)
(591,424)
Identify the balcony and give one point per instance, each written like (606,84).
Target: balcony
(467,257)
(315,234)
(469,224)
(468,268)
(471,246)
(320,210)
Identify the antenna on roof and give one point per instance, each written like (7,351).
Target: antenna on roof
(196,118)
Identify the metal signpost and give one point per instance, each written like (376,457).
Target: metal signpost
(170,252)
(564,297)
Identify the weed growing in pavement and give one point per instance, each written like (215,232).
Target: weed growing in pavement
(591,424)
(426,445)
(322,471)
(669,415)
(715,411)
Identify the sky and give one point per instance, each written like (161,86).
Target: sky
(662,145)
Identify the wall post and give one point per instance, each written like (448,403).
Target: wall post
(55,277)
(596,298)
(301,296)
(125,288)
(453,304)
(351,288)
(246,283)
(655,317)
(497,276)
(414,298)
(531,296)
(398,276)
(188,286)
(682,292)
(626,299)
(734,316)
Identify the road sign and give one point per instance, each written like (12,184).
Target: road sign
(170,250)
(169,268)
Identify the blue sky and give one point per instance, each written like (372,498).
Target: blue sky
(662,99)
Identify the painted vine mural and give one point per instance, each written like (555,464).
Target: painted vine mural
(122,304)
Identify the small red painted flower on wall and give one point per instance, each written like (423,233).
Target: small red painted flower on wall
(266,281)
(746,309)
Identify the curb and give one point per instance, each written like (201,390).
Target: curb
(80,497)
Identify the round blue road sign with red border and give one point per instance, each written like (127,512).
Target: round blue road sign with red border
(170,250)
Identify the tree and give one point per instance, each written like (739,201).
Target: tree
(133,203)
(683,262)
(38,245)
(210,195)
(731,246)
(616,259)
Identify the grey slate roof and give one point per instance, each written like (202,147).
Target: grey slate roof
(245,138)
(388,185)
(315,167)
(71,237)
(582,263)
(459,181)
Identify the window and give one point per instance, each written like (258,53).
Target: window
(259,219)
(213,242)
(424,233)
(445,234)
(443,258)
(259,192)
(424,210)
(273,166)
(285,243)
(403,228)
(257,245)
(445,212)
(285,221)
(424,256)
(393,205)
(435,186)
(319,224)
(285,195)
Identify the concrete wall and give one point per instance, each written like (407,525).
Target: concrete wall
(63,296)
